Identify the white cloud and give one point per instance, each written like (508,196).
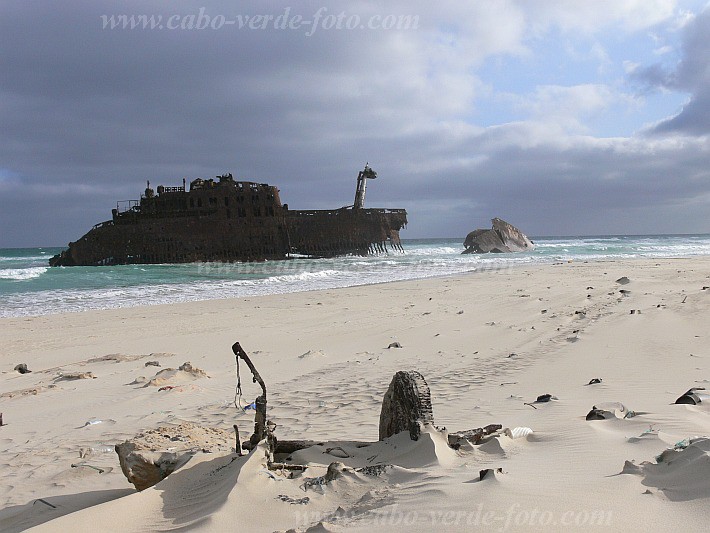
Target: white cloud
(568,107)
(630,66)
(592,16)
(682,19)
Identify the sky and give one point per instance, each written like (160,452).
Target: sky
(563,117)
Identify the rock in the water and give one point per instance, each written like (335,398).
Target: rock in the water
(406,405)
(502,238)
(151,456)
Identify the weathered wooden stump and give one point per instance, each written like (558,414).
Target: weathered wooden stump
(406,405)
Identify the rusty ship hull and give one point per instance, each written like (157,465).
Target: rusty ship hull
(228,220)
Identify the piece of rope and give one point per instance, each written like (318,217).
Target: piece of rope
(238,390)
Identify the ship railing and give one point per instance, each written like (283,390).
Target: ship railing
(103,224)
(131,217)
(321,212)
(127,205)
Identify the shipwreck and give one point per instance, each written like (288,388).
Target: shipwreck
(227,220)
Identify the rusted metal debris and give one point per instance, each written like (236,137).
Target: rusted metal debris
(228,220)
(260,426)
(487,472)
(406,407)
(238,442)
(473,436)
(22,369)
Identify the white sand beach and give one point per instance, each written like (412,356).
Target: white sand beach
(488,344)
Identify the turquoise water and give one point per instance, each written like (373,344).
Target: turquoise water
(28,286)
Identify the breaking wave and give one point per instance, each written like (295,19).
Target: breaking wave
(28,287)
(22,274)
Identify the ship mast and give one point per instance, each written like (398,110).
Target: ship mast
(362,178)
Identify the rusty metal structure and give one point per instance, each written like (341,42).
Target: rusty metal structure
(227,220)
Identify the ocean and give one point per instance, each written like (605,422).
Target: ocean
(29,287)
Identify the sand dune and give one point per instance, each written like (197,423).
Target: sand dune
(523,333)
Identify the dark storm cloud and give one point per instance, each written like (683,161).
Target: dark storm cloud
(88,114)
(108,109)
(692,75)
